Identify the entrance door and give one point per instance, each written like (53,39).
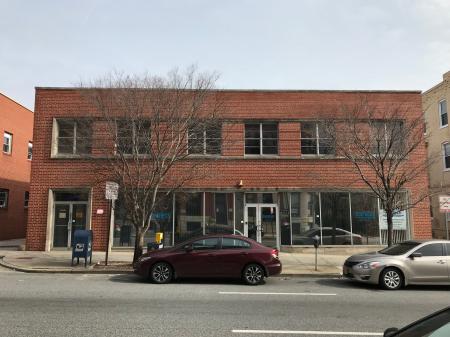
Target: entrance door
(68,218)
(62,218)
(261,223)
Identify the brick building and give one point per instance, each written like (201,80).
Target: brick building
(278,181)
(16,127)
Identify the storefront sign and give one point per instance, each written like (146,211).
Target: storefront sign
(444,203)
(112,190)
(364,215)
(398,220)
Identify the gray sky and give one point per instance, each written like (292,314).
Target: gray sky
(257,44)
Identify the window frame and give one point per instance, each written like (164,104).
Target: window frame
(6,193)
(134,136)
(317,139)
(441,114)
(261,139)
(75,124)
(7,135)
(204,141)
(445,168)
(30,153)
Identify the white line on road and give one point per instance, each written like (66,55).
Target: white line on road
(294,332)
(286,294)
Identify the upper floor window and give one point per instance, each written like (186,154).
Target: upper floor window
(446,154)
(26,199)
(315,140)
(204,140)
(74,137)
(7,142)
(30,151)
(443,115)
(4,198)
(261,138)
(133,136)
(387,136)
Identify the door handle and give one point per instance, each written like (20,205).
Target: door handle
(441,262)
(244,253)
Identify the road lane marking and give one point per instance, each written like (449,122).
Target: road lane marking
(285,294)
(300,332)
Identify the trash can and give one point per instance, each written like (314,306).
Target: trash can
(82,246)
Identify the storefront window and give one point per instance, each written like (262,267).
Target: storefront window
(188,216)
(285,220)
(261,198)
(335,209)
(239,213)
(219,213)
(365,219)
(161,221)
(305,217)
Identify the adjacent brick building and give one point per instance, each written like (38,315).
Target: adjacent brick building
(278,181)
(16,128)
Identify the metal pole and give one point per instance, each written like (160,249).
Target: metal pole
(316,260)
(446,225)
(108,242)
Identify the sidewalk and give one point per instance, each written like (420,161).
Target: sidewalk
(294,264)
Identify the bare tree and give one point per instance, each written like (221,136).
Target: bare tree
(380,142)
(145,129)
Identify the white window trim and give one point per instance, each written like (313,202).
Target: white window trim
(440,114)
(10,137)
(443,156)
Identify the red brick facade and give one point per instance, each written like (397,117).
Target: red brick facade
(288,171)
(15,167)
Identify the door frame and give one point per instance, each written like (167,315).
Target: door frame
(69,220)
(258,207)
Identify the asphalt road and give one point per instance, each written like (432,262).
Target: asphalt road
(124,305)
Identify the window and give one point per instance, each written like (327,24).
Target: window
(446,154)
(447,245)
(434,249)
(229,243)
(443,115)
(30,151)
(204,140)
(261,138)
(315,140)
(387,136)
(74,137)
(3,198)
(206,244)
(26,199)
(7,142)
(133,136)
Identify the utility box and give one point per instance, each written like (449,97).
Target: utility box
(158,242)
(82,246)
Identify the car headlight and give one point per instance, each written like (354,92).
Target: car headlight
(369,265)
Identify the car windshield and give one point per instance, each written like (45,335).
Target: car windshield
(399,249)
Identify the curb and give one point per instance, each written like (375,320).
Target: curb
(7,265)
(324,275)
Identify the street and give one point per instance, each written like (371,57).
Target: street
(125,305)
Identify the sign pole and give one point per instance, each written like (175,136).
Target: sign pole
(108,243)
(111,193)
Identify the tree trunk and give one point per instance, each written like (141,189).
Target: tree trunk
(390,228)
(138,244)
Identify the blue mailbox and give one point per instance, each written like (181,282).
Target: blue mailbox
(82,246)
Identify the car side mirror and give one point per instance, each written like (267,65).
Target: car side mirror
(415,254)
(188,248)
(390,332)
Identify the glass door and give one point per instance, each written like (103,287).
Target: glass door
(261,223)
(62,218)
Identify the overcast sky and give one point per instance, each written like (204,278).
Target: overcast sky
(256,44)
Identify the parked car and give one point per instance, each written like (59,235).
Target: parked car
(409,262)
(330,236)
(229,255)
(434,325)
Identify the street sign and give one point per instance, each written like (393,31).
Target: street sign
(444,203)
(112,190)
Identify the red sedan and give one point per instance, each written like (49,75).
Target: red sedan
(211,256)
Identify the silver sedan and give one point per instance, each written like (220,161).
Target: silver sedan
(409,262)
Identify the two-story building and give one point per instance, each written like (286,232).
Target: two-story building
(435,105)
(16,128)
(279,175)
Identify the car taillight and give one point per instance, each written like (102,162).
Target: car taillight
(275,253)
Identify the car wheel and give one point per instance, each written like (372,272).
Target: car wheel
(391,279)
(253,274)
(161,273)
